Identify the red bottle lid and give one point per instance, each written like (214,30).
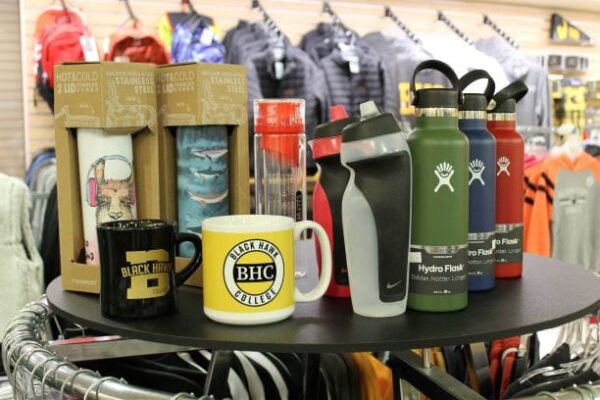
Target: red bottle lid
(337,112)
(328,136)
(274,116)
(278,121)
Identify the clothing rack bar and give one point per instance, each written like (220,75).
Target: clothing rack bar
(487,21)
(442,17)
(581,392)
(431,381)
(25,355)
(391,15)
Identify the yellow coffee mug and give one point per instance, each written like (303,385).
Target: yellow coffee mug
(248,267)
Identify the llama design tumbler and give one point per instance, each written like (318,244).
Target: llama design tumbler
(202,178)
(106,181)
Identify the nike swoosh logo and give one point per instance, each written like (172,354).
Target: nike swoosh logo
(392,285)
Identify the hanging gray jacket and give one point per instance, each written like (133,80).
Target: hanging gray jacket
(22,269)
(535,108)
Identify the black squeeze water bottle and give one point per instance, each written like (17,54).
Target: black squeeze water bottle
(328,193)
(376,211)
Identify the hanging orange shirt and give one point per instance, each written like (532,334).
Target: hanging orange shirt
(532,176)
(375,377)
(539,239)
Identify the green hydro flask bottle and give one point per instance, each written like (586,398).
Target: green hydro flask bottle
(440,216)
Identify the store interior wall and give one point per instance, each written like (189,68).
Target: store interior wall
(528,24)
(12,137)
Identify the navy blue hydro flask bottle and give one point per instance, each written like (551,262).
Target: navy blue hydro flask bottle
(482,181)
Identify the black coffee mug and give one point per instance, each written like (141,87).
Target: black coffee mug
(137,267)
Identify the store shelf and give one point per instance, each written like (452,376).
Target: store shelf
(550,293)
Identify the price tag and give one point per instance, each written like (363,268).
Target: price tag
(105,45)
(354,65)
(279,70)
(207,36)
(90,50)
(415,257)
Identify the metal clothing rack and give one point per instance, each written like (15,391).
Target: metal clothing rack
(32,368)
(442,17)
(487,21)
(266,17)
(581,392)
(391,15)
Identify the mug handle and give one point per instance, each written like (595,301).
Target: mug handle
(185,273)
(323,284)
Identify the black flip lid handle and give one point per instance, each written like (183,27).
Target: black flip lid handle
(436,65)
(516,91)
(474,76)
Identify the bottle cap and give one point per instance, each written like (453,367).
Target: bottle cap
(279,121)
(476,101)
(339,120)
(328,136)
(505,101)
(436,97)
(373,123)
(337,112)
(275,116)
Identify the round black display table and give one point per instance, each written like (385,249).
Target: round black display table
(550,293)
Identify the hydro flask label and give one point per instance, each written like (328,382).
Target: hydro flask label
(476,168)
(253,272)
(481,254)
(148,273)
(503,164)
(444,172)
(509,243)
(438,270)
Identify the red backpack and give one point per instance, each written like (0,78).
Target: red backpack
(61,43)
(135,45)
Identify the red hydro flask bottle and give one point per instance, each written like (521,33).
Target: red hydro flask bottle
(510,150)
(328,193)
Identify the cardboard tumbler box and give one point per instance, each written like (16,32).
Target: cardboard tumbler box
(195,95)
(119,98)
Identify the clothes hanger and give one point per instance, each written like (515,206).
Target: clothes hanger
(442,17)
(588,359)
(391,15)
(189,5)
(65,7)
(269,22)
(346,33)
(277,42)
(345,39)
(487,21)
(131,17)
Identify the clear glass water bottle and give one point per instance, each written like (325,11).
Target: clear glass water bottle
(280,157)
